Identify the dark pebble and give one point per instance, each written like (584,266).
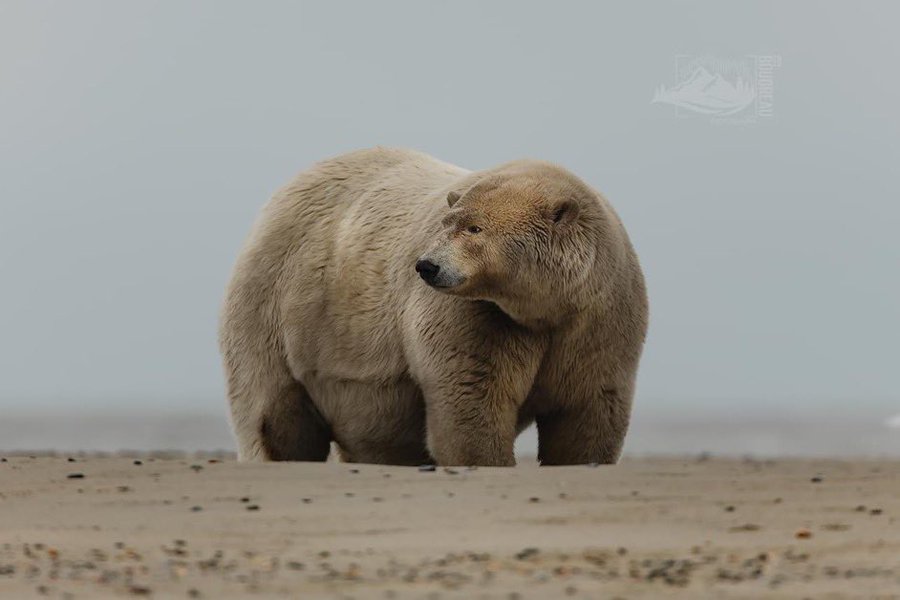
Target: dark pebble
(3,459)
(193,593)
(245,499)
(861,508)
(140,590)
(196,508)
(306,500)
(75,476)
(70,459)
(534,499)
(427,468)
(354,470)
(253,507)
(527,553)
(875,511)
(816,479)
(729,508)
(137,462)
(196,468)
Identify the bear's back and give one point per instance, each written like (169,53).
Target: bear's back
(356,224)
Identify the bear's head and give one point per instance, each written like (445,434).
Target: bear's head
(528,236)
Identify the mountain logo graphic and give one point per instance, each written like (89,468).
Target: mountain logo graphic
(739,89)
(708,94)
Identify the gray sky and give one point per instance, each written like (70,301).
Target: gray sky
(139,139)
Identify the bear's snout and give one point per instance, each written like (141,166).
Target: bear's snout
(427,270)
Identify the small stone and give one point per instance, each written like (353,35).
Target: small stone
(875,511)
(193,593)
(534,500)
(253,507)
(861,508)
(306,500)
(245,499)
(803,534)
(75,476)
(70,459)
(729,508)
(196,468)
(196,508)
(140,590)
(354,470)
(427,468)
(138,462)
(816,479)
(527,553)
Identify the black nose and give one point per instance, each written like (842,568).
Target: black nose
(427,270)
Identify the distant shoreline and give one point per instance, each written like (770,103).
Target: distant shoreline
(666,435)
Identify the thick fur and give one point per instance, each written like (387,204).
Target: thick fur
(329,334)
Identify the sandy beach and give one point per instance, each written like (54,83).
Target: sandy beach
(190,527)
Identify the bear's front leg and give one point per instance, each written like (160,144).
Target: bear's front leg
(471,429)
(475,371)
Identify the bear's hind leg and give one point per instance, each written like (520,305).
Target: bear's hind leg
(280,423)
(293,429)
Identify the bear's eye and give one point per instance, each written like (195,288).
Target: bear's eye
(473,229)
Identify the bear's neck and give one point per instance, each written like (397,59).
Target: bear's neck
(531,315)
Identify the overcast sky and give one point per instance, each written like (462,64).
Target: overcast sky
(139,139)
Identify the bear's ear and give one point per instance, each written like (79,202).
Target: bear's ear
(452,197)
(563,212)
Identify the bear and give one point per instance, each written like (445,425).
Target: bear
(412,311)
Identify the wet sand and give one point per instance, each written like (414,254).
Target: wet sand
(92,527)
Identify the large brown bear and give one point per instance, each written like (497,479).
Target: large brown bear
(410,310)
